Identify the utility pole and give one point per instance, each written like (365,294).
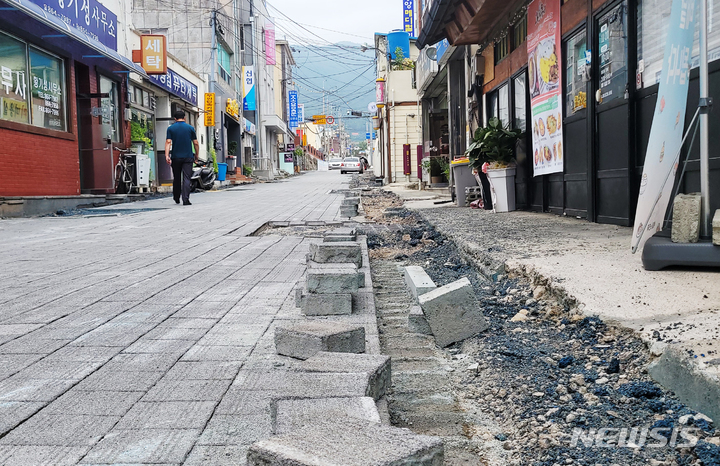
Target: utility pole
(258,99)
(213,58)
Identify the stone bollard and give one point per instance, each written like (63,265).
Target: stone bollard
(686,218)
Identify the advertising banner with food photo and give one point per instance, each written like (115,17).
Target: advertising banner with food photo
(544,73)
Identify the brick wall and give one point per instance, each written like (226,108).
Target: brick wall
(33,162)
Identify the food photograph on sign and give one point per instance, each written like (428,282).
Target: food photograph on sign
(543,67)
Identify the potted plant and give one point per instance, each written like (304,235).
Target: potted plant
(494,145)
(436,168)
(230,159)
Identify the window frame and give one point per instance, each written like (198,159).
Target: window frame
(116,123)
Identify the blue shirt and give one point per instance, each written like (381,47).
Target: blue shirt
(182,136)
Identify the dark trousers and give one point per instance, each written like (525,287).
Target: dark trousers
(182,172)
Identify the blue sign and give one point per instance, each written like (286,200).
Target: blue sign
(177,85)
(293,114)
(89,16)
(441,47)
(248,88)
(409,17)
(367,135)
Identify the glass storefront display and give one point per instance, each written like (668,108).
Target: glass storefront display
(13,80)
(520,96)
(48,90)
(503,105)
(612,45)
(575,86)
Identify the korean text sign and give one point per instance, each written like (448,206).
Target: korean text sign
(209,109)
(269,43)
(154,54)
(663,151)
(177,85)
(248,88)
(293,114)
(89,16)
(545,78)
(409,17)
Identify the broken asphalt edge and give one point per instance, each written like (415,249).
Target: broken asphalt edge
(673,369)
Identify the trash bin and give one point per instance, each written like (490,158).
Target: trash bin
(222,171)
(463,177)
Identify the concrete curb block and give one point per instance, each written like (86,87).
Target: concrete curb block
(290,414)
(376,366)
(417,322)
(304,339)
(418,280)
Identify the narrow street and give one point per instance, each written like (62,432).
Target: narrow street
(123,335)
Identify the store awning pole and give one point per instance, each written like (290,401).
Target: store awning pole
(705,105)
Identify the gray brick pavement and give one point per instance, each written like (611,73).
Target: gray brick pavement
(147,338)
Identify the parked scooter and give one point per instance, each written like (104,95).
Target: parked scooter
(203,176)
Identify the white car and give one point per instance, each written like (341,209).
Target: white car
(334,163)
(351,164)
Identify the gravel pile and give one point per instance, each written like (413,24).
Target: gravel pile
(551,378)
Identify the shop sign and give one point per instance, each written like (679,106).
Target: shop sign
(249,127)
(380,92)
(177,85)
(89,16)
(153,51)
(545,77)
(290,146)
(232,108)
(209,109)
(319,119)
(409,17)
(293,113)
(663,151)
(301,113)
(248,88)
(269,43)
(288,157)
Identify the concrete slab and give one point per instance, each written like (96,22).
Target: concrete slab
(376,366)
(348,443)
(338,239)
(325,304)
(716,228)
(417,322)
(418,280)
(686,218)
(453,312)
(305,339)
(289,414)
(336,252)
(334,280)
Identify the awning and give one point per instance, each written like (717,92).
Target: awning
(275,124)
(433,21)
(17,12)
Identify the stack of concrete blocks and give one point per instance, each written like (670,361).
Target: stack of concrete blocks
(451,313)
(686,218)
(350,206)
(341,427)
(472,193)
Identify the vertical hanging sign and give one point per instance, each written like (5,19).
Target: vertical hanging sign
(663,151)
(409,17)
(293,113)
(269,43)
(209,109)
(248,88)
(406,159)
(545,76)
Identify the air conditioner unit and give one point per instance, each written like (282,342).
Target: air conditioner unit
(479,66)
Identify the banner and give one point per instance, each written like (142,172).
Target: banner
(293,113)
(177,85)
(269,43)
(89,16)
(409,17)
(662,156)
(248,88)
(301,113)
(545,77)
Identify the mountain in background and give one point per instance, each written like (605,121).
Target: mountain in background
(348,76)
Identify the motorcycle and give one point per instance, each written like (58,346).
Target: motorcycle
(203,176)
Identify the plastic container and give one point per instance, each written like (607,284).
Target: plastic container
(222,171)
(399,39)
(230,159)
(502,181)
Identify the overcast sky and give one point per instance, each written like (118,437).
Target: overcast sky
(354,20)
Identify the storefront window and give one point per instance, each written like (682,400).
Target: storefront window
(110,119)
(224,62)
(612,44)
(142,132)
(575,87)
(13,80)
(492,105)
(504,105)
(520,93)
(48,91)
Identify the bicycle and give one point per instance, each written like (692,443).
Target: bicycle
(124,179)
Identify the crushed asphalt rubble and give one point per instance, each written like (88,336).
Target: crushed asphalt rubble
(557,388)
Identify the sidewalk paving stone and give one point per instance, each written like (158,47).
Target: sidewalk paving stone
(143,446)
(167,415)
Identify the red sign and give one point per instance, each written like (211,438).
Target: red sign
(406,159)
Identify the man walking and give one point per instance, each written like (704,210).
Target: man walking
(181,137)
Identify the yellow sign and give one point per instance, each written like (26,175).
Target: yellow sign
(232,108)
(209,109)
(153,50)
(319,119)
